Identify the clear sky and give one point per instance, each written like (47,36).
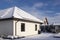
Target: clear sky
(38,8)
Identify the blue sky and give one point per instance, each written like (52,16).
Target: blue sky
(38,8)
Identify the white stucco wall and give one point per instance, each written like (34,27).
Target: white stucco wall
(29,28)
(6,27)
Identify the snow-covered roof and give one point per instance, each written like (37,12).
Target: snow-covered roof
(17,13)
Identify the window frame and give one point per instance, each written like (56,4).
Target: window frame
(35,27)
(22,27)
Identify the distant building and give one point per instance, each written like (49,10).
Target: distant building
(16,22)
(57,27)
(50,28)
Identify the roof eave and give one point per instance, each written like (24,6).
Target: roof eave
(20,20)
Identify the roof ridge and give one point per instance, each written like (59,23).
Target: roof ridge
(13,12)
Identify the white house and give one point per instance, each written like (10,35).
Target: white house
(16,22)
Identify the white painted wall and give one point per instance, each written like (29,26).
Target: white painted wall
(29,28)
(6,27)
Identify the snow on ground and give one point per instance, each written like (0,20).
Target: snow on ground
(42,36)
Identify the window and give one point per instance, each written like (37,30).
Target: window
(35,27)
(22,27)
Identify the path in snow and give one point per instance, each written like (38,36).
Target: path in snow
(42,36)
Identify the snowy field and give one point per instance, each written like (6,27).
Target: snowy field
(42,36)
